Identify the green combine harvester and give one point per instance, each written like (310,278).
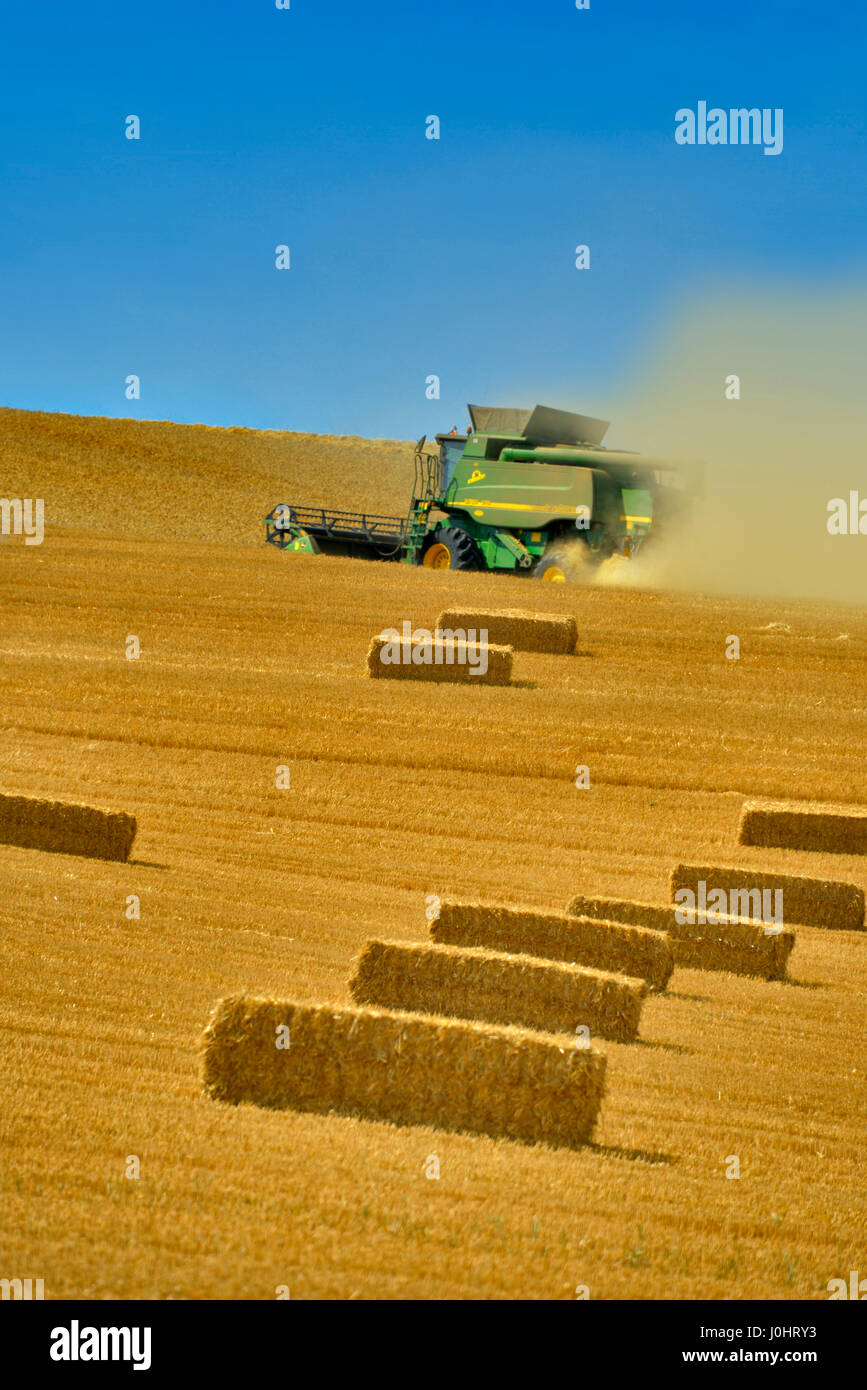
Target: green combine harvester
(532,491)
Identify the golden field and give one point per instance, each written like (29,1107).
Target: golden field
(252,660)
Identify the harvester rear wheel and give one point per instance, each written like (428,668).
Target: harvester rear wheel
(450,548)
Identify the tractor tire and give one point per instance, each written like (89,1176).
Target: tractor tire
(554,567)
(451,548)
(570,563)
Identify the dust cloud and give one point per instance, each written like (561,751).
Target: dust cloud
(774,458)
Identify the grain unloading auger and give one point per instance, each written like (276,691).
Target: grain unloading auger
(525,490)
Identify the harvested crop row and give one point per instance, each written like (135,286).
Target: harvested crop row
(404,1069)
(64,828)
(787,825)
(742,948)
(497,988)
(512,627)
(627,950)
(814,902)
(428,659)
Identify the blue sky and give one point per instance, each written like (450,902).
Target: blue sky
(408,256)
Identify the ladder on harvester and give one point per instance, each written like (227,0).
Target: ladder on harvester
(425,493)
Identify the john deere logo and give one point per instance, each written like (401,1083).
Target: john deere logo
(475,476)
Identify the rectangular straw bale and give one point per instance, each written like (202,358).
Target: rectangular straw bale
(814,902)
(805,825)
(549,996)
(740,947)
(65,828)
(525,631)
(453,666)
(644,955)
(637,914)
(404,1069)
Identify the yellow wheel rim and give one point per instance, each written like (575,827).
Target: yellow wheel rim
(554,575)
(437,557)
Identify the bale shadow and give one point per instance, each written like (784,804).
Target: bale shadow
(692,998)
(634,1155)
(679,1048)
(147,864)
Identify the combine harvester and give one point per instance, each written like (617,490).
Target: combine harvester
(532,491)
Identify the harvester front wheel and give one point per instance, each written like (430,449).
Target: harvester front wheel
(450,548)
(553,568)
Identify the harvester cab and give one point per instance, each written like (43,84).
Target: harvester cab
(451,448)
(524,490)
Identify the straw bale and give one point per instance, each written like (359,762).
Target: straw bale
(453,667)
(405,1069)
(804,825)
(65,828)
(513,627)
(604,945)
(637,914)
(732,944)
(741,948)
(549,996)
(624,909)
(814,902)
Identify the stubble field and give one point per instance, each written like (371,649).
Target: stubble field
(252,660)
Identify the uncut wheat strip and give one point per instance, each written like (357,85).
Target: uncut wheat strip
(403,1068)
(459,661)
(466,982)
(611,946)
(65,828)
(740,947)
(525,631)
(813,902)
(806,825)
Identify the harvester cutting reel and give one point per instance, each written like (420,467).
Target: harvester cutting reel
(284,531)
